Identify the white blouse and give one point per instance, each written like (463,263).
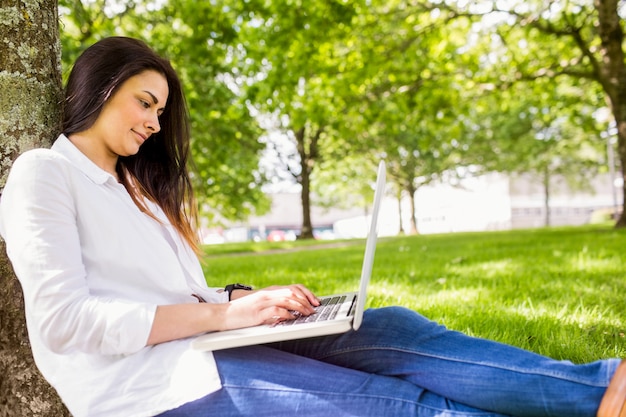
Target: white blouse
(93,269)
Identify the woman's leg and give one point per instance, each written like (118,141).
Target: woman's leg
(481,373)
(261,381)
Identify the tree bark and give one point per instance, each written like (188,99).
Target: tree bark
(30,99)
(308,157)
(613,78)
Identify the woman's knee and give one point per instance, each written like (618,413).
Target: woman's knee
(391,321)
(394,315)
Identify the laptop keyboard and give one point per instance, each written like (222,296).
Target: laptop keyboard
(327,310)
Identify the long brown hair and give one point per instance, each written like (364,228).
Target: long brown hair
(159,171)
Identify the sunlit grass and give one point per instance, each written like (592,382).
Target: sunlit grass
(559,292)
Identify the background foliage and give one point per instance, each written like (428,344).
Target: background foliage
(328,87)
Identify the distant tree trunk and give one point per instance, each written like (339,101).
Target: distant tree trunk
(400,211)
(30,99)
(612,76)
(308,151)
(305,198)
(411,190)
(546,196)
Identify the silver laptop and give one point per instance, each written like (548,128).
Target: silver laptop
(337,314)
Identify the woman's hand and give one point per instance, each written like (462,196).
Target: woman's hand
(246,308)
(269,305)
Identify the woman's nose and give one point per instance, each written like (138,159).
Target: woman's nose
(153,124)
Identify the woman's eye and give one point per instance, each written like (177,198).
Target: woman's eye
(145,104)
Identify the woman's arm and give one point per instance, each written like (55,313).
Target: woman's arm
(247,308)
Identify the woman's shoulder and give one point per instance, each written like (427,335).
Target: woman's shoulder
(59,153)
(38,162)
(37,155)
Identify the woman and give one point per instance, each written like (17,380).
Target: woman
(100,231)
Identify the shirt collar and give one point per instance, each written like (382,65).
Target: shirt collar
(66,148)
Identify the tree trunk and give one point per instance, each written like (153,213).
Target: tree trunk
(308,156)
(546,196)
(307,226)
(613,78)
(400,211)
(30,99)
(412,191)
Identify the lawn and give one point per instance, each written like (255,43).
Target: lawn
(556,291)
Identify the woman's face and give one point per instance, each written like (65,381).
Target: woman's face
(131,115)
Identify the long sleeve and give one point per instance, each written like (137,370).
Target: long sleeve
(39,222)
(94,268)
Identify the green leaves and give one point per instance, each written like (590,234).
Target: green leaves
(198,37)
(429,86)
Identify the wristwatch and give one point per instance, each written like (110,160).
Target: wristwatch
(231,287)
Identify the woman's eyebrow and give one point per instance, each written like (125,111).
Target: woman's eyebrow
(154,99)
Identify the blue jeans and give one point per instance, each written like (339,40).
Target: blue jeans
(400,364)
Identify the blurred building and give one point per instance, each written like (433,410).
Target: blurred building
(499,202)
(489,202)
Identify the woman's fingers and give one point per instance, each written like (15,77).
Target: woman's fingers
(271,305)
(300,292)
(303,302)
(279,314)
(289,299)
(308,294)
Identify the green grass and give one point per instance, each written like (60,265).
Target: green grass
(557,291)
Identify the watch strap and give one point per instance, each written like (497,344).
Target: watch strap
(231,287)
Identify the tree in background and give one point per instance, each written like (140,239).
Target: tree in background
(199,39)
(417,97)
(30,96)
(294,67)
(581,42)
(340,79)
(541,128)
